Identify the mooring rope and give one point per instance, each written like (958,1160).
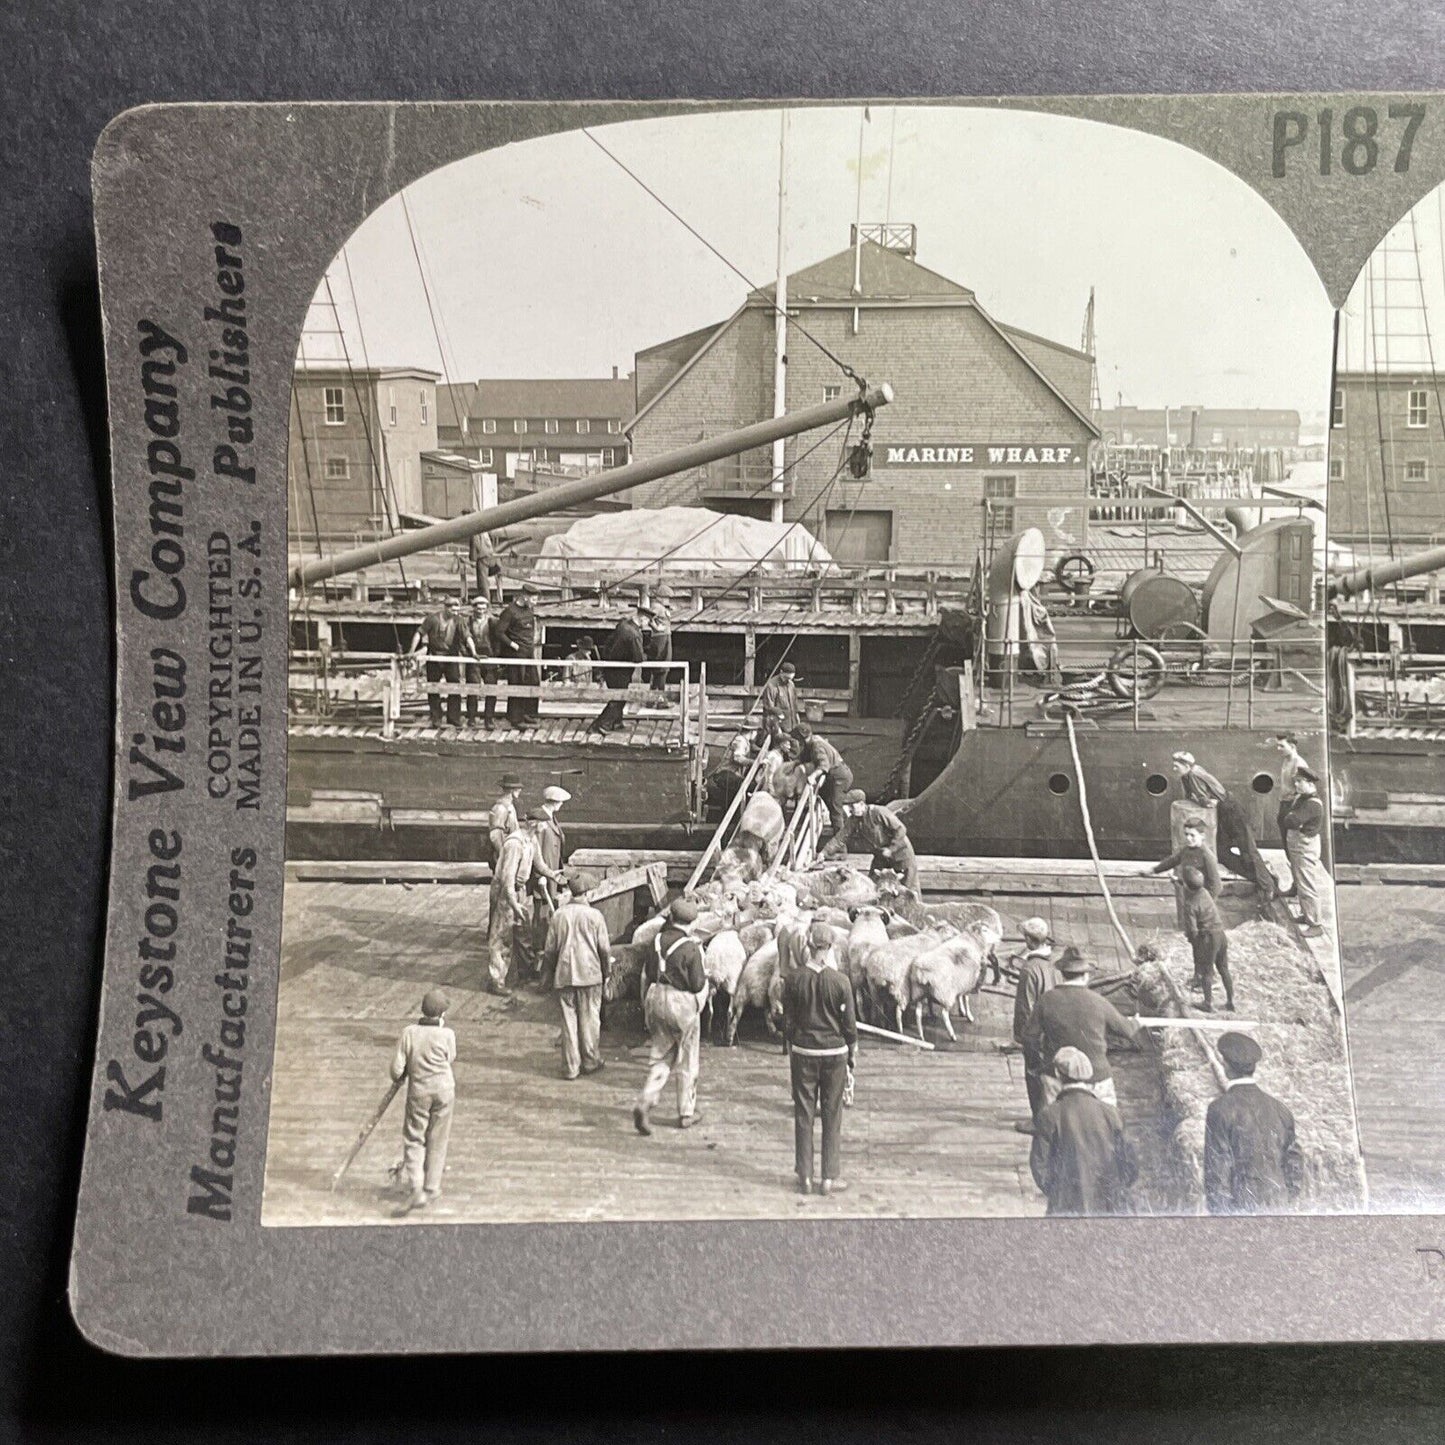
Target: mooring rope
(1093,846)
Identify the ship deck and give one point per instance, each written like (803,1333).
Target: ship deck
(931,1134)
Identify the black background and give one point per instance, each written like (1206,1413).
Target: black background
(65,70)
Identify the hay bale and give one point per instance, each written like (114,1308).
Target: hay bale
(1304,1065)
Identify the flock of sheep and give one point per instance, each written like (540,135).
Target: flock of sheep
(899,954)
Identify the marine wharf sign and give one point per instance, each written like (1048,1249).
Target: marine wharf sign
(979,454)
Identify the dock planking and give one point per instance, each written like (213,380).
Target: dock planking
(930,1135)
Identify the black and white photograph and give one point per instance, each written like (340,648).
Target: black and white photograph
(808,692)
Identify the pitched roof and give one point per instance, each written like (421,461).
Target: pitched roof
(541,397)
(1070,371)
(883,275)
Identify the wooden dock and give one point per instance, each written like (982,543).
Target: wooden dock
(931,1134)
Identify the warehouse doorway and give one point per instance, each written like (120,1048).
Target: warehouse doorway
(860,536)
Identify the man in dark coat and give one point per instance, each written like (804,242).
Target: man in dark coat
(1081,1158)
(1037,973)
(1252,1159)
(625,645)
(836,777)
(445,639)
(872,828)
(516,633)
(778,701)
(1233,830)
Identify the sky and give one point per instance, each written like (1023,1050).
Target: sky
(546,259)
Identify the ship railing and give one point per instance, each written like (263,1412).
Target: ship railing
(380,686)
(1144,685)
(1397,687)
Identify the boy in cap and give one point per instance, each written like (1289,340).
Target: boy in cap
(1193,854)
(578,954)
(674,989)
(1204,929)
(1303,825)
(424,1055)
(1037,974)
(503,818)
(1234,831)
(1252,1158)
(1073,1016)
(778,701)
(1081,1158)
(821,1031)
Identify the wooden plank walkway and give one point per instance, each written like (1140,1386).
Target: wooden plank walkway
(1391,939)
(930,1135)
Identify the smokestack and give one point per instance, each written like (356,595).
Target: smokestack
(614,373)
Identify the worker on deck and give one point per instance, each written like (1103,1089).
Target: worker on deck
(1070,1015)
(509,917)
(1238,849)
(659,633)
(483,555)
(1292,761)
(821,1029)
(1081,1158)
(580,657)
(504,819)
(578,954)
(872,828)
(424,1056)
(1204,929)
(674,990)
(778,701)
(625,645)
(1252,1158)
(547,868)
(444,640)
(825,762)
(1037,974)
(516,631)
(1304,823)
(1193,854)
(481,635)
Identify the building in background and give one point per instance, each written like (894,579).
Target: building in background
(1241,428)
(982,410)
(1387,459)
(533,432)
(354,464)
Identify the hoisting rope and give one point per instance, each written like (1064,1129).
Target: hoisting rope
(1093,846)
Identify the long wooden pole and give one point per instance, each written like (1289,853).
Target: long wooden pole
(366,1130)
(896,1038)
(587,489)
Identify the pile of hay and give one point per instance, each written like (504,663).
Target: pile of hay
(1304,1065)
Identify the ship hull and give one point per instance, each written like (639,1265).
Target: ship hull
(1388,804)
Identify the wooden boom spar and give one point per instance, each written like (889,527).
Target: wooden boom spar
(586,489)
(1370,579)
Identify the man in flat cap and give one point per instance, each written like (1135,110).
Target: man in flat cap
(1037,975)
(1081,1158)
(623,645)
(778,701)
(1238,848)
(821,1030)
(509,917)
(546,866)
(424,1056)
(482,674)
(1071,1015)
(444,640)
(1252,1158)
(578,954)
(516,633)
(659,632)
(674,990)
(1302,824)
(872,828)
(503,818)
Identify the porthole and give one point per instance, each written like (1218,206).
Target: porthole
(1059,784)
(1157,784)
(1263,784)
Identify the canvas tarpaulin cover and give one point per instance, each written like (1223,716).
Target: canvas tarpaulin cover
(689,537)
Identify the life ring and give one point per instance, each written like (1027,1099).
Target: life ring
(1137,671)
(1074,573)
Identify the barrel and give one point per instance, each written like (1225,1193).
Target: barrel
(1154,600)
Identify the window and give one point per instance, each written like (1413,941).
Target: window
(338,468)
(1415,471)
(613,425)
(583,426)
(550,426)
(832,393)
(1419,409)
(391,406)
(609,457)
(1337,410)
(1337,469)
(335,406)
(519,424)
(859,536)
(489,426)
(484,456)
(994,487)
(424,412)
